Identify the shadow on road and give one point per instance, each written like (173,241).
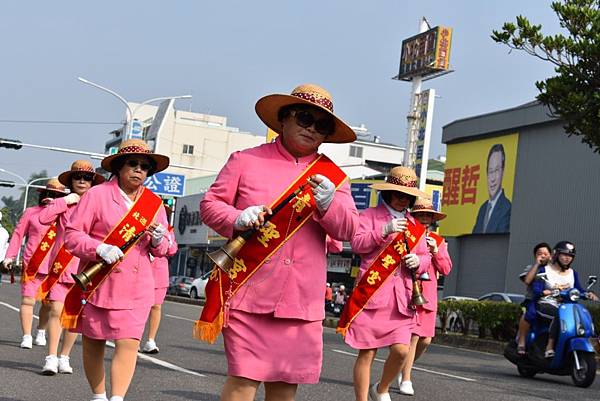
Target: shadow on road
(192,395)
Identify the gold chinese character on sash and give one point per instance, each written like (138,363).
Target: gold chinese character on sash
(268,233)
(400,247)
(136,215)
(44,246)
(373,277)
(127,232)
(214,274)
(56,267)
(143,221)
(301,203)
(238,266)
(388,261)
(51,234)
(410,236)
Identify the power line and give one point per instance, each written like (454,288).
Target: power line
(59,122)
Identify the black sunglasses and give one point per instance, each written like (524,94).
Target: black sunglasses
(324,126)
(83,176)
(135,163)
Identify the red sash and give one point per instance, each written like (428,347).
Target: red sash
(40,253)
(55,270)
(439,240)
(260,246)
(382,268)
(137,218)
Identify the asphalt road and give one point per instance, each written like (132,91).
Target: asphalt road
(186,369)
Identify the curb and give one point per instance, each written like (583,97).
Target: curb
(184,300)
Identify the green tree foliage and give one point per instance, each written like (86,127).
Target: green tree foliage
(573,95)
(13,208)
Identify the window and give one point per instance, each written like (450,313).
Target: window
(188,149)
(356,151)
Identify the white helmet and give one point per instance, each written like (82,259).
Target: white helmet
(328,285)
(342,287)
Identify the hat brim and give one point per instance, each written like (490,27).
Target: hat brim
(65,177)
(268,107)
(162,161)
(437,216)
(40,190)
(386,186)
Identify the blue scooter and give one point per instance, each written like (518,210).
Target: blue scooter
(574,354)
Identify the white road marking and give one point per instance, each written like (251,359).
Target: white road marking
(467,379)
(180,318)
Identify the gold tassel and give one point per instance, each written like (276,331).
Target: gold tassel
(342,331)
(208,332)
(68,322)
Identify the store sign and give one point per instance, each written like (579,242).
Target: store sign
(189,228)
(166,184)
(338,264)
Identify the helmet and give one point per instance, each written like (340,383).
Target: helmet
(565,247)
(328,285)
(342,287)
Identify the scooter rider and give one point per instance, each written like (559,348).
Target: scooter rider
(559,276)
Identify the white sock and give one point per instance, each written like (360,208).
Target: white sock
(40,331)
(116,398)
(99,396)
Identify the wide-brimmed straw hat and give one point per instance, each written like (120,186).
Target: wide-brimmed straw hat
(53,185)
(424,205)
(135,147)
(268,108)
(401,179)
(80,166)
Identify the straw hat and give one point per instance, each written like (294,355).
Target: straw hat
(80,166)
(402,179)
(268,107)
(136,147)
(423,205)
(53,185)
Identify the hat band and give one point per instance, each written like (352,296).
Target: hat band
(85,169)
(133,149)
(405,183)
(416,208)
(315,98)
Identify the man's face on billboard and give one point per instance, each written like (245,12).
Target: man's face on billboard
(495,173)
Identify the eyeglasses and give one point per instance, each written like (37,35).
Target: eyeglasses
(134,163)
(83,176)
(324,126)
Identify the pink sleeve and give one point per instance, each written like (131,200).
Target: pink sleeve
(422,251)
(442,261)
(17,236)
(77,238)
(216,209)
(368,236)
(163,247)
(172,245)
(55,208)
(333,245)
(340,220)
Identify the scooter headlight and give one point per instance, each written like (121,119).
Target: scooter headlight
(574,295)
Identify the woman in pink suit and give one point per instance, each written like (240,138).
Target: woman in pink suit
(161,284)
(118,308)
(29,226)
(387,318)
(78,179)
(282,303)
(424,328)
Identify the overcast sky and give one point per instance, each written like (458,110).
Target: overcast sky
(227,54)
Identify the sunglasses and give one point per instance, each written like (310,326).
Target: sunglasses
(52,194)
(324,126)
(135,163)
(83,176)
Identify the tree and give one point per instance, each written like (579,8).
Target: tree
(14,207)
(573,95)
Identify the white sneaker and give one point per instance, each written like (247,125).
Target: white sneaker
(150,347)
(406,388)
(40,338)
(63,365)
(27,341)
(375,396)
(51,366)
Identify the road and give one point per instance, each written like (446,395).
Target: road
(186,369)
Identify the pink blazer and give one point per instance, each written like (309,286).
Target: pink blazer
(131,284)
(29,225)
(291,283)
(368,242)
(161,264)
(440,263)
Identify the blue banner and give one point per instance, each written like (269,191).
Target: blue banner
(166,184)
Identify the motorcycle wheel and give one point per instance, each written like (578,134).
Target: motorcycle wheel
(585,376)
(526,371)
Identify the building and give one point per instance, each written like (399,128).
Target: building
(550,181)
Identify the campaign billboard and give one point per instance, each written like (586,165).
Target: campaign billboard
(426,53)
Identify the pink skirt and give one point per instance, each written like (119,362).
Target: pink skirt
(112,324)
(267,349)
(424,323)
(29,289)
(377,328)
(58,292)
(159,295)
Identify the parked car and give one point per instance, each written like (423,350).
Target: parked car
(502,297)
(198,287)
(180,285)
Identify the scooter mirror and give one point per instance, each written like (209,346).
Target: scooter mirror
(592,280)
(541,276)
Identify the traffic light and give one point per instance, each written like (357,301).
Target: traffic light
(169,202)
(10,143)
(8,184)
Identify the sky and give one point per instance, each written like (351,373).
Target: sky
(227,54)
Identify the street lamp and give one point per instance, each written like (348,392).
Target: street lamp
(27,189)
(130,113)
(14,175)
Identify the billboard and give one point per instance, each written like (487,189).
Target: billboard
(478,186)
(426,53)
(167,184)
(364,197)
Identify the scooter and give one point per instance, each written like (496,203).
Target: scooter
(574,354)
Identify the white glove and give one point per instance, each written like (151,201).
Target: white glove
(412,261)
(109,253)
(8,263)
(324,193)
(72,198)
(247,218)
(394,226)
(158,234)
(433,248)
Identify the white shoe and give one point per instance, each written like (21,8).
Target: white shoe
(406,388)
(375,396)
(27,341)
(40,338)
(63,365)
(51,366)
(150,347)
